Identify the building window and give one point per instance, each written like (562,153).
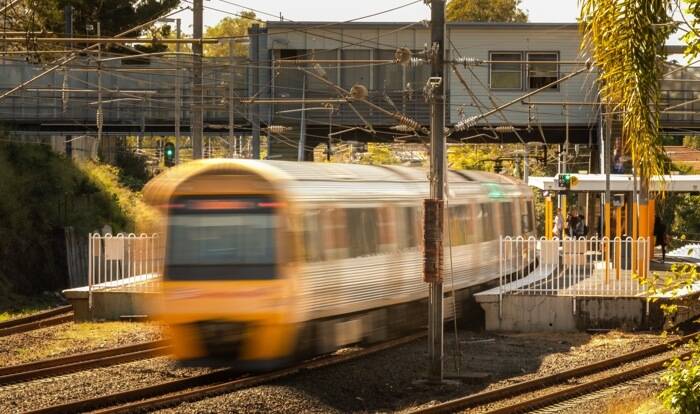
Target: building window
(541,74)
(506,75)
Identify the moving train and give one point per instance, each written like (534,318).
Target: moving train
(270,261)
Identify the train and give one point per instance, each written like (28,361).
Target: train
(267,262)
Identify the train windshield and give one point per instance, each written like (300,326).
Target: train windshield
(224,238)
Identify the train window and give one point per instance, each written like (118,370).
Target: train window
(223,238)
(387,230)
(362,231)
(313,237)
(469,226)
(526,216)
(486,217)
(335,237)
(457,225)
(507,219)
(412,229)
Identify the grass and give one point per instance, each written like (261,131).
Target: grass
(16,306)
(129,202)
(638,405)
(77,338)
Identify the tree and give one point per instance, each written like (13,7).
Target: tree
(485,11)
(626,39)
(115,16)
(234,27)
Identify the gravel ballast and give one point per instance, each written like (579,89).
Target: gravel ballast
(385,382)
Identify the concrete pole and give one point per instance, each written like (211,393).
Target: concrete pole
(302,127)
(434,220)
(197,99)
(255,83)
(231,117)
(100,114)
(178,94)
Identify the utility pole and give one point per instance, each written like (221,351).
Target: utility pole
(254,33)
(197,100)
(231,118)
(434,207)
(100,114)
(178,93)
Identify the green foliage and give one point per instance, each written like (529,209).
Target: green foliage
(473,157)
(692,141)
(485,11)
(133,171)
(115,16)
(229,27)
(378,154)
(691,39)
(43,193)
(682,378)
(626,39)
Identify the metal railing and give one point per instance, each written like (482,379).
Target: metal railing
(574,267)
(124,262)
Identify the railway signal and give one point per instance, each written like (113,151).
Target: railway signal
(169,154)
(566,181)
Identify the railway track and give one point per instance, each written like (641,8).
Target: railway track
(207,385)
(83,361)
(51,317)
(507,393)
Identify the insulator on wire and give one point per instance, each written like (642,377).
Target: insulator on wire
(100,118)
(277,129)
(401,128)
(504,129)
(416,61)
(359,92)
(403,55)
(64,91)
(465,124)
(404,120)
(319,70)
(470,61)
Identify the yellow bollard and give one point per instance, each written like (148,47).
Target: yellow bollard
(607,245)
(618,242)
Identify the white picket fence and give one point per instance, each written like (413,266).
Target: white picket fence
(125,262)
(573,267)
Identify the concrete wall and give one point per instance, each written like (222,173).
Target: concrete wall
(534,313)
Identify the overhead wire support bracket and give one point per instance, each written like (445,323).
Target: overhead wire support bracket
(471,121)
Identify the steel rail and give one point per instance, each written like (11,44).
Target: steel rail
(36,316)
(83,361)
(587,387)
(558,378)
(212,384)
(41,323)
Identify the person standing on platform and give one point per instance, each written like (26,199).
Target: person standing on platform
(558,228)
(575,225)
(660,236)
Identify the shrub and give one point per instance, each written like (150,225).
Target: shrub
(682,378)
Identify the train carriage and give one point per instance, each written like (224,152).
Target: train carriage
(270,260)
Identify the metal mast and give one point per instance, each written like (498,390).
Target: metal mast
(435,206)
(197,104)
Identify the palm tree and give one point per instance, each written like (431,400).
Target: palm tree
(626,40)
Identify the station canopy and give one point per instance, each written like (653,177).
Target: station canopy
(619,183)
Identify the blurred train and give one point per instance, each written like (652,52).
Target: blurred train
(269,261)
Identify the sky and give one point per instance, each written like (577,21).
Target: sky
(333,10)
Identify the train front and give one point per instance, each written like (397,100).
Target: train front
(226,292)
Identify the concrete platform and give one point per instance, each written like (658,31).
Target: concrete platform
(511,308)
(114,299)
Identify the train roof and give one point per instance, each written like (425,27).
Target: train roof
(309,180)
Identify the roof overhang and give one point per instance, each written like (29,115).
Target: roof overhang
(620,183)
